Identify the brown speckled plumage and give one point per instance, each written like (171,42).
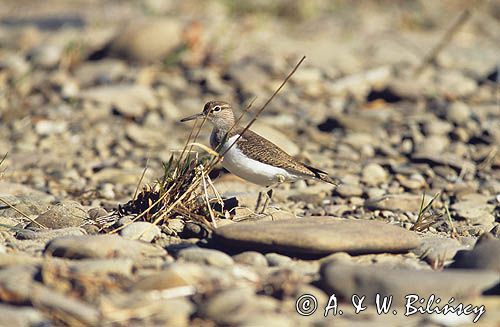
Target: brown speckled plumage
(258,148)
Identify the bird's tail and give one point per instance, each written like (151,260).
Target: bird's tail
(323,176)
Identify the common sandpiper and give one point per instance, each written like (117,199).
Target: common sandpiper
(252,157)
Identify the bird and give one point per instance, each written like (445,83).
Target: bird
(249,155)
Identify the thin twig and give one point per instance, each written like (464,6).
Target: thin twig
(209,207)
(1,162)
(491,155)
(454,233)
(22,213)
(447,37)
(4,157)
(188,141)
(217,195)
(140,179)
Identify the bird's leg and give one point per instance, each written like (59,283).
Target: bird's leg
(279,179)
(259,200)
(269,194)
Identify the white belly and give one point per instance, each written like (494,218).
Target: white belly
(251,170)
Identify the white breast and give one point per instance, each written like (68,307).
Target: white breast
(252,170)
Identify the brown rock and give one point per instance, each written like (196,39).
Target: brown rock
(318,236)
(396,202)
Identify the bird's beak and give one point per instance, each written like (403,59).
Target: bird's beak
(192,117)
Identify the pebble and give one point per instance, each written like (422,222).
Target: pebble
(46,56)
(458,113)
(146,41)
(144,136)
(454,84)
(15,64)
(268,319)
(396,202)
(48,127)
(360,84)
(89,267)
(106,190)
(433,144)
(205,256)
(484,255)
(375,193)
(96,213)
(251,258)
(438,250)
(100,246)
(437,127)
(19,286)
(373,174)
(175,225)
(130,100)
(117,175)
(161,309)
(180,273)
(237,306)
(21,316)
(475,209)
(347,190)
(17,259)
(225,305)
(445,159)
(141,230)
(31,200)
(278,260)
(168,278)
(65,214)
(48,234)
(317,236)
(98,72)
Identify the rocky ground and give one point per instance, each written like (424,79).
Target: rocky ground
(91,93)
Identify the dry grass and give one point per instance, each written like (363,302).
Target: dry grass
(453,231)
(183,189)
(426,216)
(1,162)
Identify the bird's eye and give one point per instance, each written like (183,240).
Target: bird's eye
(216,109)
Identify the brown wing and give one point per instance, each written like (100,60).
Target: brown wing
(255,146)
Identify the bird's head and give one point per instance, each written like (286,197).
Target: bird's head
(219,113)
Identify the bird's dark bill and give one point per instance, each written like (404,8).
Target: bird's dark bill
(192,117)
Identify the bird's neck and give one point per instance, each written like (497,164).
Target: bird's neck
(221,134)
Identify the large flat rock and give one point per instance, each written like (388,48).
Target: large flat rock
(317,236)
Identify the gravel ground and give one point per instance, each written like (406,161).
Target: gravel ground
(91,92)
